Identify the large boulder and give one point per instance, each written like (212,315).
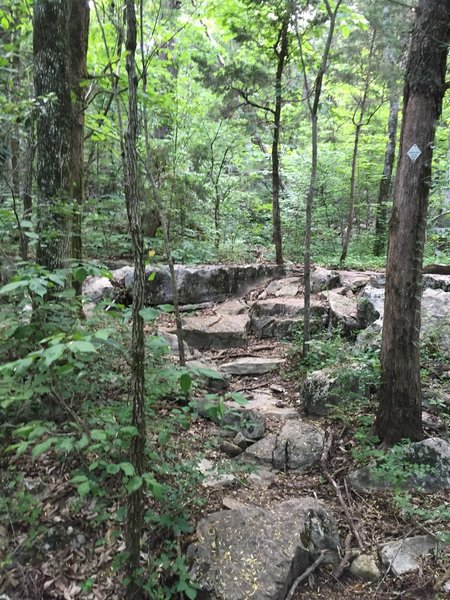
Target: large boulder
(422,465)
(204,283)
(343,311)
(258,553)
(323,279)
(275,317)
(97,288)
(323,389)
(298,446)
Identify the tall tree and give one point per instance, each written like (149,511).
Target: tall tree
(135,516)
(54,129)
(313,99)
(78,47)
(399,414)
(59,47)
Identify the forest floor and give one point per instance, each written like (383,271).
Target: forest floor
(74,548)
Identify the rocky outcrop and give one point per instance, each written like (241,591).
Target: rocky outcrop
(276,317)
(252,365)
(258,553)
(323,389)
(422,465)
(216,331)
(323,279)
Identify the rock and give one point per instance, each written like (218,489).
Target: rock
(355,280)
(230,448)
(365,567)
(232,503)
(323,279)
(97,288)
(232,307)
(223,331)
(276,317)
(436,282)
(123,277)
(371,305)
(262,479)
(435,325)
(206,283)
(299,446)
(249,365)
(261,453)
(289,286)
(172,342)
(211,378)
(277,389)
(241,441)
(258,553)
(428,469)
(446,587)
(405,555)
(323,389)
(250,423)
(213,477)
(343,311)
(269,405)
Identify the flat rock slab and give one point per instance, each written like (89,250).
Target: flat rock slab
(289,286)
(214,477)
(270,405)
(323,279)
(255,553)
(250,365)
(298,446)
(355,280)
(216,331)
(405,556)
(275,317)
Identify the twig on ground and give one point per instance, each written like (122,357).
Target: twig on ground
(345,508)
(254,387)
(346,557)
(319,560)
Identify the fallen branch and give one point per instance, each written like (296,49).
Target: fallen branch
(346,558)
(319,560)
(348,515)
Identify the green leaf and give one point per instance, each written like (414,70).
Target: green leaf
(38,286)
(129,430)
(84,488)
(127,468)
(82,346)
(79,274)
(148,313)
(82,442)
(98,435)
(185,382)
(52,353)
(78,479)
(103,334)
(42,447)
(156,489)
(112,469)
(134,484)
(66,444)
(167,308)
(15,285)
(152,276)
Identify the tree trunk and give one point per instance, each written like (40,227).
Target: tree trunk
(313,109)
(54,130)
(27,199)
(358,126)
(135,514)
(276,216)
(78,41)
(386,179)
(399,413)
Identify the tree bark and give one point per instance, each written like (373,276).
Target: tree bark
(54,130)
(276,215)
(399,412)
(386,179)
(78,42)
(135,514)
